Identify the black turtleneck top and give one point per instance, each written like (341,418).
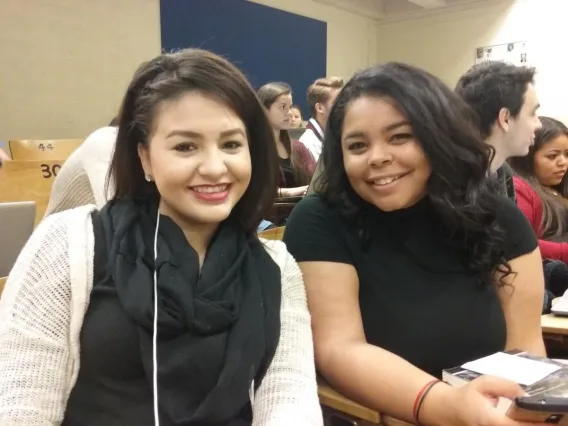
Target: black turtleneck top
(416,295)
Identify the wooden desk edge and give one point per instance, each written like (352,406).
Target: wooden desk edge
(552,324)
(389,421)
(333,399)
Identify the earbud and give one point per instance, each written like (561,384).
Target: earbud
(155,334)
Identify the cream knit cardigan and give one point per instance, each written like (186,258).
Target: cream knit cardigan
(42,311)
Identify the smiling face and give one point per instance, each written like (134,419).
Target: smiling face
(198,155)
(279,112)
(384,162)
(551,161)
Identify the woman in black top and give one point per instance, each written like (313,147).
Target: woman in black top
(412,261)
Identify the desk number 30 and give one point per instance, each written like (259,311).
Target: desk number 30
(49,171)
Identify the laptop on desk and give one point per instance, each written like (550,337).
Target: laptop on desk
(16,226)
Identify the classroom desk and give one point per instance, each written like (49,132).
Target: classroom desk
(333,399)
(362,415)
(555,334)
(554,325)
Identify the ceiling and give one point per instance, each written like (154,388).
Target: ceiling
(387,9)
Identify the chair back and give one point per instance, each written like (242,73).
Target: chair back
(28,181)
(29,150)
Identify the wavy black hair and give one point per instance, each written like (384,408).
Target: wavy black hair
(554,222)
(446,127)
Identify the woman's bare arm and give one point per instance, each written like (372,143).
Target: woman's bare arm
(372,376)
(522,300)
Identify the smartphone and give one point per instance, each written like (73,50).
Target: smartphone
(540,409)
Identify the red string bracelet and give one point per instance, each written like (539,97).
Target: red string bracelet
(420,398)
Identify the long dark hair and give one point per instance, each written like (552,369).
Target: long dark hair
(554,207)
(268,94)
(168,77)
(458,188)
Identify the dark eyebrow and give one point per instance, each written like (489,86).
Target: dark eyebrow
(196,135)
(395,126)
(233,132)
(184,133)
(356,134)
(389,128)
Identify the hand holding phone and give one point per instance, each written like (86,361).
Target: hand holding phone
(475,404)
(540,409)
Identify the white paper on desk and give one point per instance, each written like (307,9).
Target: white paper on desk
(518,369)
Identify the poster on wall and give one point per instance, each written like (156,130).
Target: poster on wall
(515,53)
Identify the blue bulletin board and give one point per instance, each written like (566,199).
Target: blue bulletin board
(267,44)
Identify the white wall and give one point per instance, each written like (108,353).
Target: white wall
(351,39)
(445,43)
(66,63)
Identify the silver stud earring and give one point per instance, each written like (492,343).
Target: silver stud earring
(148,178)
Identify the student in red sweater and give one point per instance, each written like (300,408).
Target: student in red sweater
(542,188)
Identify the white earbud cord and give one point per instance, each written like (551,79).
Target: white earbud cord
(155,334)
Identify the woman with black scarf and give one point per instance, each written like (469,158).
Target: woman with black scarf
(164,308)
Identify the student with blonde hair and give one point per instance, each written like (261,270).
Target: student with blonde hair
(320,96)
